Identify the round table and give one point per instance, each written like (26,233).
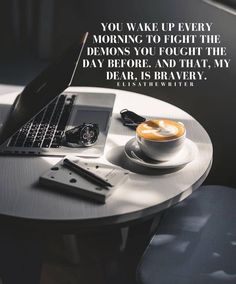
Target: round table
(145,193)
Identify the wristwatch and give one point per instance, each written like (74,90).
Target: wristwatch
(83,135)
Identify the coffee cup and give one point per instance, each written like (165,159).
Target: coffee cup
(160,139)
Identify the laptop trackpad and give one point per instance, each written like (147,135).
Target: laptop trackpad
(101,117)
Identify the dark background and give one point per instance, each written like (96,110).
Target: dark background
(34,32)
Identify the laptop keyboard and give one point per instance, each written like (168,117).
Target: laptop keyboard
(46,129)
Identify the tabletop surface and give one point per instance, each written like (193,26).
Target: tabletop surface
(146,191)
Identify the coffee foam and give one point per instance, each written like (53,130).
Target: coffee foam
(160,129)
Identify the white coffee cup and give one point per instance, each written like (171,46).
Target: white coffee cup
(161,139)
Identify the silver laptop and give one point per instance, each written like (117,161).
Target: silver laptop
(41,115)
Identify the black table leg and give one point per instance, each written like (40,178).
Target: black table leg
(139,236)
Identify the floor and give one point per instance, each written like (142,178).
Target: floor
(102,258)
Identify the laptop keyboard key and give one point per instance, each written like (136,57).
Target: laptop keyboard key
(46,143)
(37,144)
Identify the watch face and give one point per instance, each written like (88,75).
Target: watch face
(88,134)
(82,135)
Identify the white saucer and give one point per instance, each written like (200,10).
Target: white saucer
(185,156)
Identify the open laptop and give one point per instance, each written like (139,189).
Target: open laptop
(43,112)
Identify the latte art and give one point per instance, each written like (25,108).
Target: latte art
(160,129)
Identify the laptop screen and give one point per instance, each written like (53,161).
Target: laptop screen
(43,89)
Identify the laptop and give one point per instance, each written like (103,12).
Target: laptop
(41,115)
